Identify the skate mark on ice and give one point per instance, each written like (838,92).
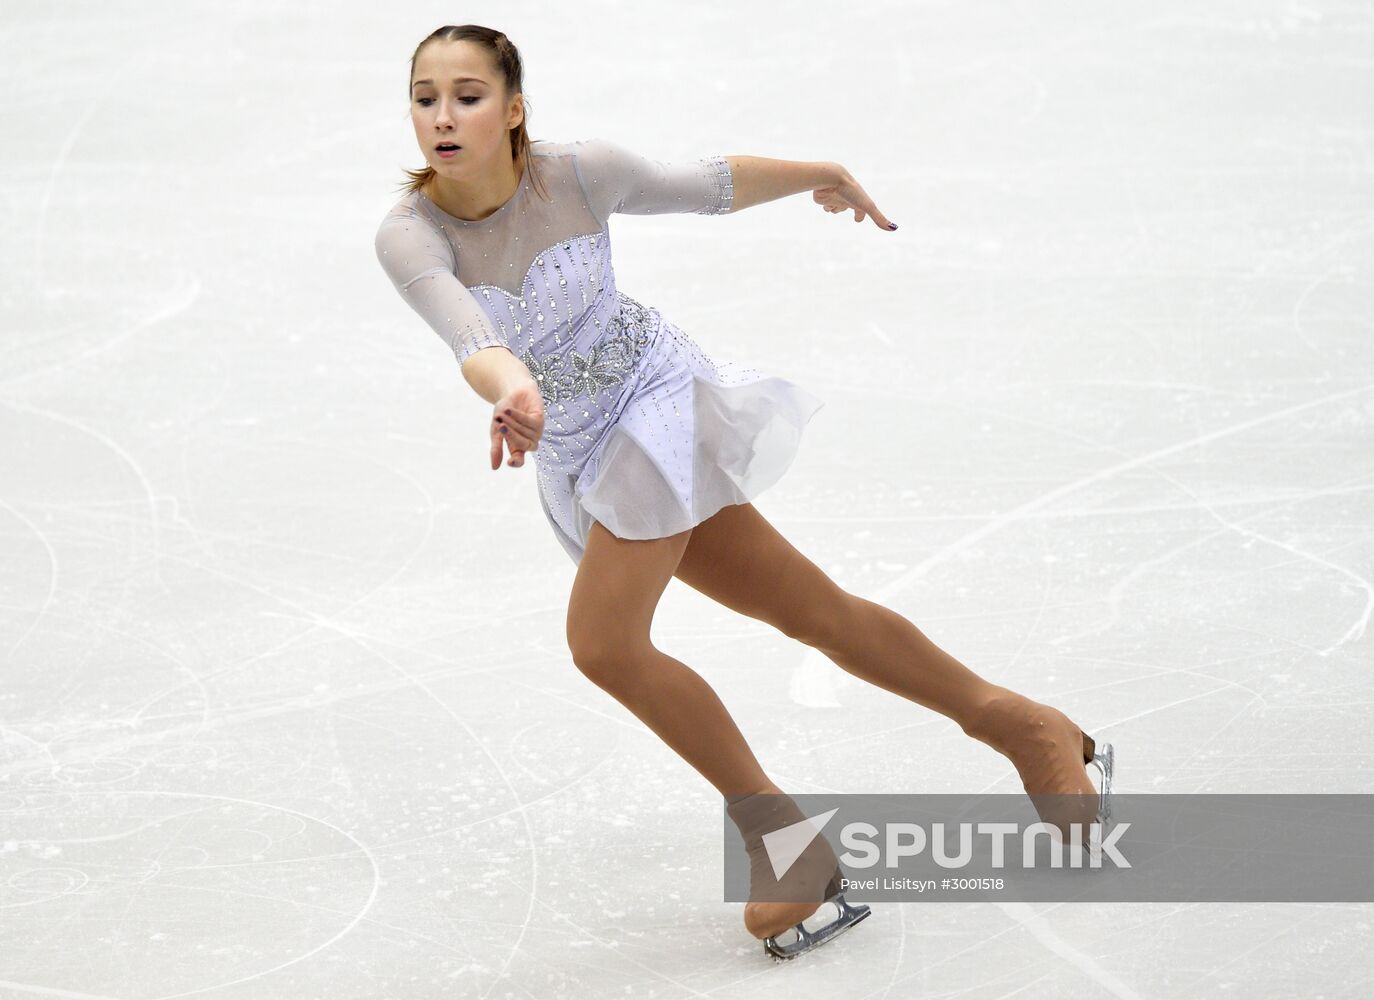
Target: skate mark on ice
(815,681)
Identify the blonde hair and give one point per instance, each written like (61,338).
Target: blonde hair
(508,64)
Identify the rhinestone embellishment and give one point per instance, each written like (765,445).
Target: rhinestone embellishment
(572,374)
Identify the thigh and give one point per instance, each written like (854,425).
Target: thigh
(741,561)
(618,584)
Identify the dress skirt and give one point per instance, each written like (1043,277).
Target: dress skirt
(684,436)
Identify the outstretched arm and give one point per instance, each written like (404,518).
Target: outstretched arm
(758,179)
(617,179)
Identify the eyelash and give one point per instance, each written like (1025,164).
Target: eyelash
(422,100)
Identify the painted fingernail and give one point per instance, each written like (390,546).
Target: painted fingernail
(890,225)
(499,420)
(504,429)
(508,413)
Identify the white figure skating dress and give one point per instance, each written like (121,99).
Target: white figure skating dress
(643,431)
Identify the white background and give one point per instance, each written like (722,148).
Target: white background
(286,708)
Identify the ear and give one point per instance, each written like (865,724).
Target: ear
(518,112)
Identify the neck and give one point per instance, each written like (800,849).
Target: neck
(474,202)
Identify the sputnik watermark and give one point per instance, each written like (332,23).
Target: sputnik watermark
(1246,847)
(865,849)
(909,840)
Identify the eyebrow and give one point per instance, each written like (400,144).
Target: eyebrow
(456,79)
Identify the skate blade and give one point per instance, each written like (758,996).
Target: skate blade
(1105,760)
(799,939)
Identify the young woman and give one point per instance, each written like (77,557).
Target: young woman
(648,452)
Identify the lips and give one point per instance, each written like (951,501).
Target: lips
(447,147)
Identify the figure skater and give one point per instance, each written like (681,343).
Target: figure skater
(648,451)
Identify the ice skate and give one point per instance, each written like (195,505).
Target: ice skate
(803,907)
(1066,811)
(1035,738)
(833,916)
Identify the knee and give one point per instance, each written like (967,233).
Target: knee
(608,662)
(828,624)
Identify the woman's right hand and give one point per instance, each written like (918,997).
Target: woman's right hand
(518,420)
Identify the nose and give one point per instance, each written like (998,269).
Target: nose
(443,119)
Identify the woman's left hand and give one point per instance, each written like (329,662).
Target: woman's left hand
(845,194)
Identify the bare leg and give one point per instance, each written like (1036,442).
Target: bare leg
(740,560)
(885,649)
(617,588)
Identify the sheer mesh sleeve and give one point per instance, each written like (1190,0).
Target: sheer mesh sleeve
(420,263)
(615,179)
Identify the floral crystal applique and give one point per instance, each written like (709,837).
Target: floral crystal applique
(571,375)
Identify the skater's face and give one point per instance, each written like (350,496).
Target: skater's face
(457,96)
